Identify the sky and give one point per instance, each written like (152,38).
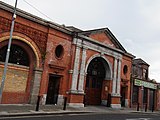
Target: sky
(135,23)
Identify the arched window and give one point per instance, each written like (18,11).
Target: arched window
(17,55)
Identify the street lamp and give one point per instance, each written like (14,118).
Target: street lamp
(8,52)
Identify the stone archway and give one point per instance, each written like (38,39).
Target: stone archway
(98,70)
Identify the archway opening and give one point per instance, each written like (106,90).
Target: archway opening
(98,70)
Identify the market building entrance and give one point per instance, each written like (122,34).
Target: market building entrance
(96,74)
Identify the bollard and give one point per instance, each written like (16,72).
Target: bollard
(137,106)
(84,101)
(38,101)
(152,108)
(65,103)
(146,108)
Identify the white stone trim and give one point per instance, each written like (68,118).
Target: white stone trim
(114,83)
(101,49)
(115,95)
(76,105)
(119,77)
(75,69)
(82,71)
(126,103)
(43,100)
(36,85)
(116,106)
(60,100)
(105,59)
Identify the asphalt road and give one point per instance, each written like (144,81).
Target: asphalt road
(90,116)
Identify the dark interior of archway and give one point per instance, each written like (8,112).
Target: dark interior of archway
(17,55)
(94,81)
(96,70)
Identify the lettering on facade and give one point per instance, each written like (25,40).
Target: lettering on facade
(145,84)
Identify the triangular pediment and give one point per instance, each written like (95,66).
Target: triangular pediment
(105,36)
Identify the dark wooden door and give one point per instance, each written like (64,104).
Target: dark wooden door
(53,90)
(93,91)
(93,96)
(123,95)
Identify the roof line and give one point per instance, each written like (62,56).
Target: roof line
(34,18)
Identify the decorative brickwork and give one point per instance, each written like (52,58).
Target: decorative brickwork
(37,36)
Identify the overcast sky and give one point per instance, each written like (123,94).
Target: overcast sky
(135,23)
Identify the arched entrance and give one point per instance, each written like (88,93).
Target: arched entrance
(22,61)
(98,70)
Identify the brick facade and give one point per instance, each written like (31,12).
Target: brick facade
(144,91)
(60,62)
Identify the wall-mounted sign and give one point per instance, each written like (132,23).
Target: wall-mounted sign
(145,84)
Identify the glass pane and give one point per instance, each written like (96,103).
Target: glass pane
(17,55)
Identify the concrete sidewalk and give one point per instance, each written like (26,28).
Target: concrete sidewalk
(27,110)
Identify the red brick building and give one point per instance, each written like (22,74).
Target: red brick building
(54,61)
(144,91)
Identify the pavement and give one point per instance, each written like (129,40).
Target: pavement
(10,110)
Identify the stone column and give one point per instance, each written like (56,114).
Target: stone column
(119,77)
(75,69)
(114,77)
(82,72)
(115,100)
(36,85)
(76,96)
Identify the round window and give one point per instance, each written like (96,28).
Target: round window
(125,69)
(59,51)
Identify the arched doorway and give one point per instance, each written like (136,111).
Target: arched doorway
(98,70)
(22,61)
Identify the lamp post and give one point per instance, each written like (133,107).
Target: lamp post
(8,52)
